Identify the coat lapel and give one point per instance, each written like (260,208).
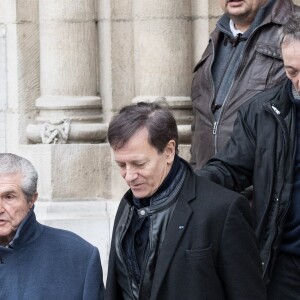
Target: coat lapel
(175,232)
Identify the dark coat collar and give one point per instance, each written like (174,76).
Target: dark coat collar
(28,231)
(281,99)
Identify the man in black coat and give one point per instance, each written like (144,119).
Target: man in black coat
(264,150)
(176,235)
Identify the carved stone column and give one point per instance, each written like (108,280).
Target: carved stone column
(3,83)
(70,110)
(163,57)
(204,17)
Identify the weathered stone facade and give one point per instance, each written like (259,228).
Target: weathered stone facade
(66,66)
(2,87)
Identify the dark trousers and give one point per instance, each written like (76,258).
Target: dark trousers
(285,282)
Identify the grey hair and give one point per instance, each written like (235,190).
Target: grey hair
(290,31)
(14,164)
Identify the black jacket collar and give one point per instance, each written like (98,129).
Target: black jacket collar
(282,100)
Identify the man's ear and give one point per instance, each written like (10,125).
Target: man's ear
(170,151)
(33,199)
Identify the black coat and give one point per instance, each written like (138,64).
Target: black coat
(261,152)
(209,251)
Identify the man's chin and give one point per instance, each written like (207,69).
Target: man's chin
(140,194)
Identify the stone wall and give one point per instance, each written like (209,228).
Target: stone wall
(2,87)
(66,66)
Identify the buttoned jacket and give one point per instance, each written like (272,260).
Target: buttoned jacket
(209,250)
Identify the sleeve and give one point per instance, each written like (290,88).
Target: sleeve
(232,167)
(239,261)
(93,286)
(192,150)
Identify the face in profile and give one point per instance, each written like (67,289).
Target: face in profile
(291,58)
(13,206)
(140,164)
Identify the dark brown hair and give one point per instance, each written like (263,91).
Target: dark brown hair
(158,120)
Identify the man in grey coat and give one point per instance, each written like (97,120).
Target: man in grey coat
(39,262)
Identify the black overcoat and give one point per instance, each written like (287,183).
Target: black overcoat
(209,251)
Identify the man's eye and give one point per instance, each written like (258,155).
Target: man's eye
(292,74)
(140,164)
(9,197)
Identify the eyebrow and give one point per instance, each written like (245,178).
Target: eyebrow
(8,192)
(290,67)
(132,161)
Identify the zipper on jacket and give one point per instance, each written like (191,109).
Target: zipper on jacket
(211,79)
(216,122)
(285,143)
(215,128)
(277,115)
(275,109)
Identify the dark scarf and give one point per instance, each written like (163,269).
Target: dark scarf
(136,240)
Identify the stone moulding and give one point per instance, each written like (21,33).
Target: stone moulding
(56,133)
(68,119)
(78,133)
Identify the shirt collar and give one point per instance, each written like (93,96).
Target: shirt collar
(234,31)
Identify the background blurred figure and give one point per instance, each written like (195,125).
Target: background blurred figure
(264,150)
(241,60)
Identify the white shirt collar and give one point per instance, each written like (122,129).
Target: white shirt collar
(234,31)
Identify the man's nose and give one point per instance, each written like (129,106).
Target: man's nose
(131,174)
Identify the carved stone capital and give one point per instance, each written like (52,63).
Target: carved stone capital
(68,119)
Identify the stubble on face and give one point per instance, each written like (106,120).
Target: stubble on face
(242,12)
